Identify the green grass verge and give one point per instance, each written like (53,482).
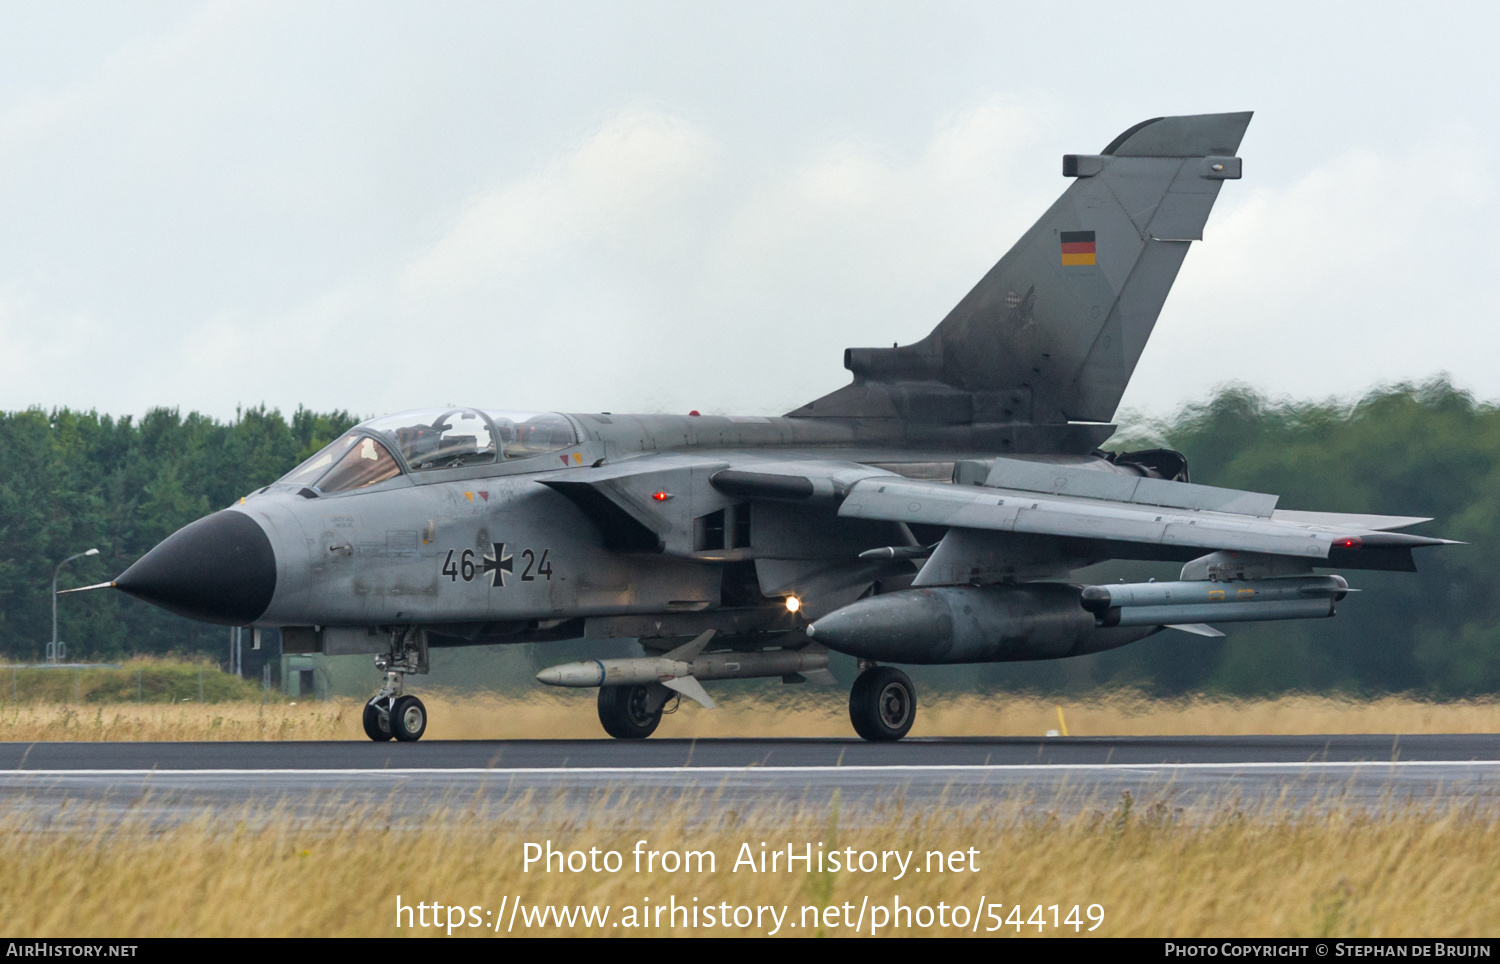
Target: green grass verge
(138,681)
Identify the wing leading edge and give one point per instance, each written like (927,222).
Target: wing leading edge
(1133,530)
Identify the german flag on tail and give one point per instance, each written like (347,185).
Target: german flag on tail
(1077,248)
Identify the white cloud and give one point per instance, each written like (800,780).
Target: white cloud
(852,246)
(863,223)
(292,205)
(1363,270)
(623,180)
(155,70)
(627,273)
(638,270)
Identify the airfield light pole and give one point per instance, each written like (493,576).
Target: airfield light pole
(54,648)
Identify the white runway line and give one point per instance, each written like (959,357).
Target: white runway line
(679,770)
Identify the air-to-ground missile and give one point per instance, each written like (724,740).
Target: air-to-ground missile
(1252,600)
(681,668)
(653,669)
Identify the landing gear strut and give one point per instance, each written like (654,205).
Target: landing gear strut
(882,704)
(391,712)
(632,712)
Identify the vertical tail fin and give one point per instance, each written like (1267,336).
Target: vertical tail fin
(1053,332)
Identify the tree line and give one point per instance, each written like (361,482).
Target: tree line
(1426,450)
(70,481)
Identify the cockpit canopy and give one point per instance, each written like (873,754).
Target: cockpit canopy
(433,439)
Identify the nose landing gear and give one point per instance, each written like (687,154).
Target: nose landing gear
(408,719)
(391,712)
(377,720)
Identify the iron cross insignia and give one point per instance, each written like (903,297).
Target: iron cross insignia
(497,562)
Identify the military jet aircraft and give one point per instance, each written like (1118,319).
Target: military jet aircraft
(932,511)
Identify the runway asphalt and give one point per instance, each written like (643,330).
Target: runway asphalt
(532,779)
(648,754)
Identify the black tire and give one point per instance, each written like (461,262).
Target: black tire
(882,704)
(377,724)
(622,710)
(408,719)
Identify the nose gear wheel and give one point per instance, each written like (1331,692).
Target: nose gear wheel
(408,719)
(377,723)
(391,713)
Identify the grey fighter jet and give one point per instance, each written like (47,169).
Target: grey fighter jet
(931,511)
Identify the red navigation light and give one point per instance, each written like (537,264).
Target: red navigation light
(1353,542)
(661,496)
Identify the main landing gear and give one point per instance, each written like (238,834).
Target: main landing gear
(882,706)
(883,703)
(632,712)
(391,712)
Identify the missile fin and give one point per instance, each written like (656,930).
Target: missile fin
(1197,629)
(689,686)
(687,651)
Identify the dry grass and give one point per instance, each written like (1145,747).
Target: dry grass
(1411,873)
(28,722)
(806,712)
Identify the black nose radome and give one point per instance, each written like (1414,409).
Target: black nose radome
(220,569)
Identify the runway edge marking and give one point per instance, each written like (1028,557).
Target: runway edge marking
(860,768)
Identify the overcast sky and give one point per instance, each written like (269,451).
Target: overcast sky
(662,206)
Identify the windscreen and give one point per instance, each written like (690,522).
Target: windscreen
(310,471)
(366,463)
